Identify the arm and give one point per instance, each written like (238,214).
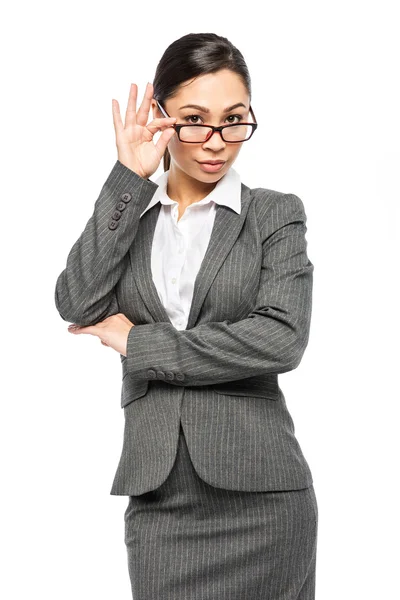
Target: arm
(272,338)
(84,292)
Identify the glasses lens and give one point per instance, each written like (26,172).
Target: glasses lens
(237,133)
(194,133)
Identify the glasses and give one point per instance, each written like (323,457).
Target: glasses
(198,134)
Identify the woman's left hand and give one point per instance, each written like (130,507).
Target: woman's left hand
(113,331)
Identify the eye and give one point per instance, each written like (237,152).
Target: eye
(235,116)
(191,117)
(187,119)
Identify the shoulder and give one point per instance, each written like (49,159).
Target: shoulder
(274,209)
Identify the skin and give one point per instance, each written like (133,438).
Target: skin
(187,183)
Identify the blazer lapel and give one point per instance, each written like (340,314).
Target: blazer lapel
(226,229)
(140,255)
(227,226)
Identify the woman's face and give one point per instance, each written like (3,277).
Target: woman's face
(214,92)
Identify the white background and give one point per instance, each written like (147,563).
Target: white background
(324,91)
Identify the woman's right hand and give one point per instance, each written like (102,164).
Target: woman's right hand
(134,140)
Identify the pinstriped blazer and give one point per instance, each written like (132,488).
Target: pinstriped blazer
(249,321)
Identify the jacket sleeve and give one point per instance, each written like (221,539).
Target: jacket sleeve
(84,291)
(271,339)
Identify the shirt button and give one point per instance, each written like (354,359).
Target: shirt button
(173,280)
(180,250)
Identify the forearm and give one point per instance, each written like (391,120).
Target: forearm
(84,291)
(216,352)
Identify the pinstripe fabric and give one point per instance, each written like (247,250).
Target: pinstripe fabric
(249,321)
(179,244)
(189,540)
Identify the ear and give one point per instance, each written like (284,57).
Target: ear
(155,109)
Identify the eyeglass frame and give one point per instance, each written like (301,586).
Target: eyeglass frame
(178,128)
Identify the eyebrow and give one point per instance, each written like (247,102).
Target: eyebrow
(207,110)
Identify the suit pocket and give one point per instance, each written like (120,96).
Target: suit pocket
(264,386)
(132,389)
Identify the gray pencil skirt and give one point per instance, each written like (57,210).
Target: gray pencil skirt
(188,540)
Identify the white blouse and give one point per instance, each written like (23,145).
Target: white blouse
(179,246)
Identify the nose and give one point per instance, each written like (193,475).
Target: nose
(215,141)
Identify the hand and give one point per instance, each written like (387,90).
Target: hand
(113,331)
(134,141)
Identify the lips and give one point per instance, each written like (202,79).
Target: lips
(211,168)
(211,162)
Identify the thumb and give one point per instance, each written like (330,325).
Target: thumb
(164,139)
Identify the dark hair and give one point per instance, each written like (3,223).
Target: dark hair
(192,55)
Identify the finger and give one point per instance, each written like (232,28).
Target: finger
(118,124)
(130,115)
(164,139)
(143,112)
(122,316)
(90,329)
(161,123)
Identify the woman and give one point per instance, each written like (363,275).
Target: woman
(204,287)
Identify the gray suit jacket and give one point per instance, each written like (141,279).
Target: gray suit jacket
(249,321)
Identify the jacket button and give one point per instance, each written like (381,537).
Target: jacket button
(113,224)
(152,374)
(169,375)
(121,206)
(116,215)
(180,376)
(160,375)
(126,197)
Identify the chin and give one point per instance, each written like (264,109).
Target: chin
(209,177)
